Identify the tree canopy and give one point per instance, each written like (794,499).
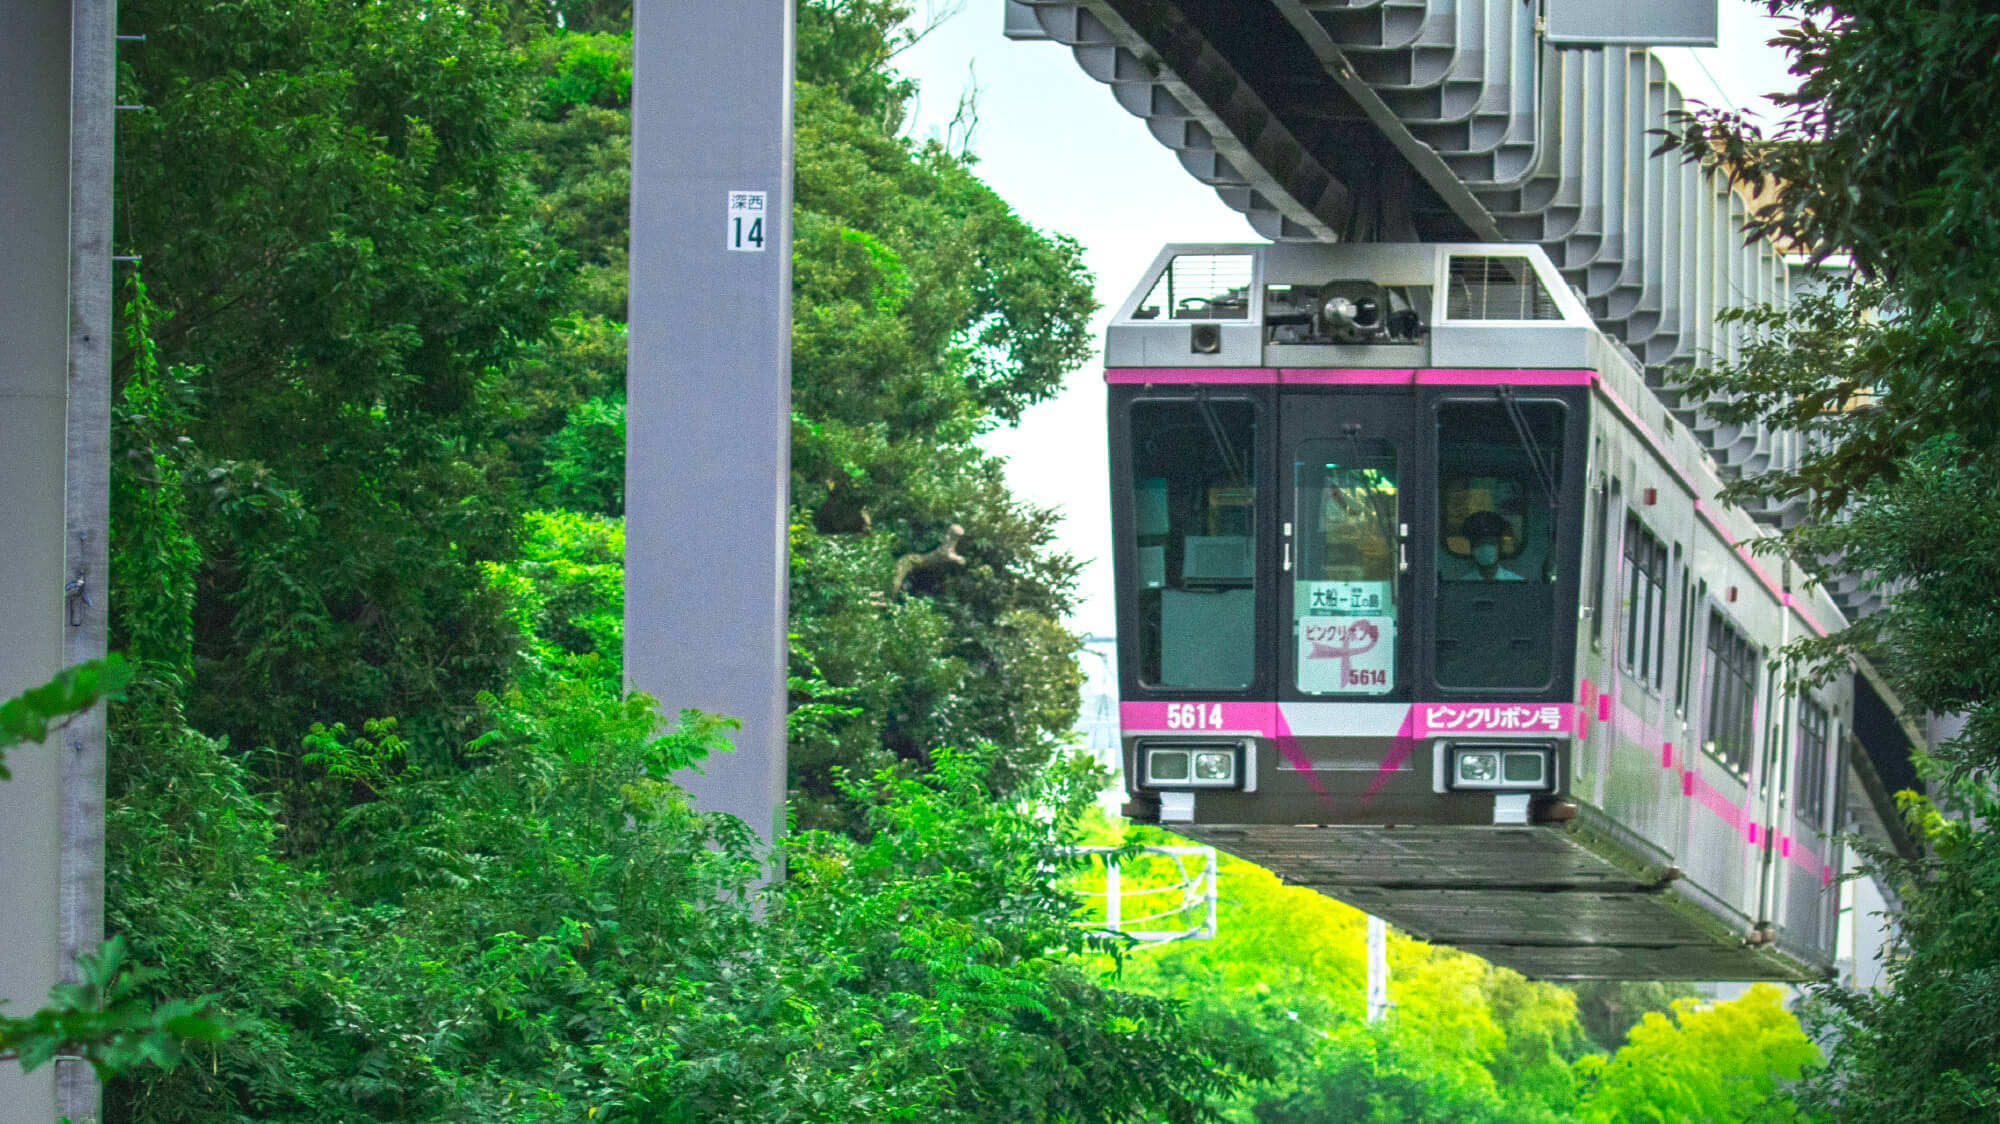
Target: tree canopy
(1889,369)
(1464,1040)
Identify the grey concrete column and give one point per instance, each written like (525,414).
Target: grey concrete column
(87,503)
(34,273)
(708,383)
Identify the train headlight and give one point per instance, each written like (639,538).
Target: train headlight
(1191,764)
(1522,768)
(1478,768)
(1503,768)
(1167,765)
(1210,765)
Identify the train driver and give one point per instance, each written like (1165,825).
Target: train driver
(1484,530)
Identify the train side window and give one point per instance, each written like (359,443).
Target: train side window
(1645,603)
(1499,465)
(1344,595)
(1814,742)
(1728,722)
(1194,504)
(1775,717)
(1686,643)
(1594,592)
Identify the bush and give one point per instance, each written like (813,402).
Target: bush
(556,934)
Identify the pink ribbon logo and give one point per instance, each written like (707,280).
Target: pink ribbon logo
(1356,639)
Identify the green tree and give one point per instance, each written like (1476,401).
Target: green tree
(325,426)
(558,936)
(1608,1009)
(1947,1067)
(1722,1062)
(1466,1041)
(1890,373)
(325,198)
(1882,156)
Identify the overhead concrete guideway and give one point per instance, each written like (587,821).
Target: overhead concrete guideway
(1477,120)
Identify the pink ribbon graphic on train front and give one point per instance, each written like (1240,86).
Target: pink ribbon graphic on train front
(1399,752)
(1349,648)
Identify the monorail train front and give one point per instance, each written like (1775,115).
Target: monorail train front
(1349,503)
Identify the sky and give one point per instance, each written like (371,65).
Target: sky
(1070,160)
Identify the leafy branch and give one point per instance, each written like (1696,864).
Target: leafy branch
(100,1018)
(104,1021)
(46,709)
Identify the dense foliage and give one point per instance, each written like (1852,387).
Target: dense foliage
(1885,155)
(325,202)
(377,790)
(556,935)
(1464,1040)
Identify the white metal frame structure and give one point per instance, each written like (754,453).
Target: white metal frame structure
(1197,892)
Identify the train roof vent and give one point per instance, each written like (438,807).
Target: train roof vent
(1200,287)
(1496,287)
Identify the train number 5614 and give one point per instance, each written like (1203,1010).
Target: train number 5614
(1194,716)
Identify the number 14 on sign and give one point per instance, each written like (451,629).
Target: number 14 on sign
(746,221)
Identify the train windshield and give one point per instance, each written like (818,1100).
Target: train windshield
(1344,597)
(1499,474)
(1194,497)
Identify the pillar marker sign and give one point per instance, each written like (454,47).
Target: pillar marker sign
(746,221)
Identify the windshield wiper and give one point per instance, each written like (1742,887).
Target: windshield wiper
(1544,470)
(1227,451)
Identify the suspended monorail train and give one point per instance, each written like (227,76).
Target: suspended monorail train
(1426,601)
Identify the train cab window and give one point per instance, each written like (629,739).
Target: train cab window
(1344,592)
(1499,469)
(1496,287)
(1193,502)
(1645,624)
(1813,746)
(1728,726)
(1200,287)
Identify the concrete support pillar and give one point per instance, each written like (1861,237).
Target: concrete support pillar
(86,504)
(34,368)
(708,390)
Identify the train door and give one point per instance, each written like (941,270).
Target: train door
(1345,509)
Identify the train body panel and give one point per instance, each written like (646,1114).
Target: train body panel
(1425,600)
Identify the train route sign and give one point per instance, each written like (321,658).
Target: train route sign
(1348,655)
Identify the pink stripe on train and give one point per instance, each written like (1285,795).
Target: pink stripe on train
(1420,720)
(1351,376)
(1462,376)
(1179,375)
(1323,376)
